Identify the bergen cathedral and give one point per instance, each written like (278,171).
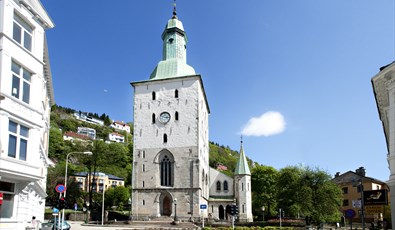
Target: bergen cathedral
(171,170)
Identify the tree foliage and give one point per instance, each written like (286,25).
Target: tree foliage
(306,192)
(117,196)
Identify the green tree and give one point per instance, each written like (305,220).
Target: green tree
(117,196)
(56,144)
(264,190)
(310,193)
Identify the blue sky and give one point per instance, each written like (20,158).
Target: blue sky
(292,76)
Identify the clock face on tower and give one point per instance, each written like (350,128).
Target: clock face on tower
(164,117)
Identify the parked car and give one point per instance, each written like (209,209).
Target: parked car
(57,226)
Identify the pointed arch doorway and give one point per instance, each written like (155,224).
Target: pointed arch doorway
(166,204)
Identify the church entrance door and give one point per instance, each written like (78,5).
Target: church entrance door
(166,206)
(221,212)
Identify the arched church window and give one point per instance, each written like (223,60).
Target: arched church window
(218,186)
(166,171)
(176,93)
(206,179)
(153,96)
(153,118)
(225,185)
(165,138)
(176,116)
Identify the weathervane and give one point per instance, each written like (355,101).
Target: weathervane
(174,10)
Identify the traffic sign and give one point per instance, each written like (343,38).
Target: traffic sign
(203,206)
(75,206)
(60,188)
(55,210)
(350,213)
(1,198)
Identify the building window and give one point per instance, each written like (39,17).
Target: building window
(345,202)
(166,171)
(143,184)
(20,82)
(243,209)
(176,116)
(143,167)
(143,202)
(345,190)
(165,138)
(153,118)
(22,33)
(226,186)
(218,186)
(176,93)
(359,188)
(143,154)
(153,96)
(7,208)
(17,143)
(242,186)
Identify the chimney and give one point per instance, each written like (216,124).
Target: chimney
(360,171)
(337,174)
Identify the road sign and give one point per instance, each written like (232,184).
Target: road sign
(60,188)
(203,206)
(350,213)
(1,198)
(356,203)
(55,210)
(375,197)
(75,206)
(374,209)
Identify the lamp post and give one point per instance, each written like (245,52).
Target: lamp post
(65,177)
(130,206)
(263,213)
(362,206)
(102,209)
(175,209)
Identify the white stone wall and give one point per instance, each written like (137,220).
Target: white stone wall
(187,141)
(218,176)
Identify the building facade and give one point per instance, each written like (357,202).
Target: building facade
(171,172)
(350,183)
(384,92)
(120,125)
(99,182)
(26,98)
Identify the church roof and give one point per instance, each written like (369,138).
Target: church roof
(242,167)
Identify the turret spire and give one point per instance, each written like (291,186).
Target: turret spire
(174,10)
(242,167)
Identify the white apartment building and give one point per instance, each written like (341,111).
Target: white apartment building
(120,125)
(116,137)
(89,132)
(26,97)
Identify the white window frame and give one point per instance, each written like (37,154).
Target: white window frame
(26,31)
(19,137)
(20,89)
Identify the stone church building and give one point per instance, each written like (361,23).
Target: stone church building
(171,172)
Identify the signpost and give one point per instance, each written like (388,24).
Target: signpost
(75,211)
(202,207)
(1,198)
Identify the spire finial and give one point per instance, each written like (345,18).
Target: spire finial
(174,10)
(241,139)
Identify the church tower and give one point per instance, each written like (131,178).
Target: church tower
(242,182)
(170,148)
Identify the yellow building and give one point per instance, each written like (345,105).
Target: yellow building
(350,184)
(100,181)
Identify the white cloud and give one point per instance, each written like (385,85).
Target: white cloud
(269,123)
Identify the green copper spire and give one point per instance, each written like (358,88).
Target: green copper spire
(174,60)
(242,164)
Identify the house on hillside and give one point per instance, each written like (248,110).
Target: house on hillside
(116,137)
(89,119)
(89,132)
(120,125)
(71,136)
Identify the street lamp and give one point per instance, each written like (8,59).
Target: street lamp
(175,209)
(65,177)
(263,213)
(130,206)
